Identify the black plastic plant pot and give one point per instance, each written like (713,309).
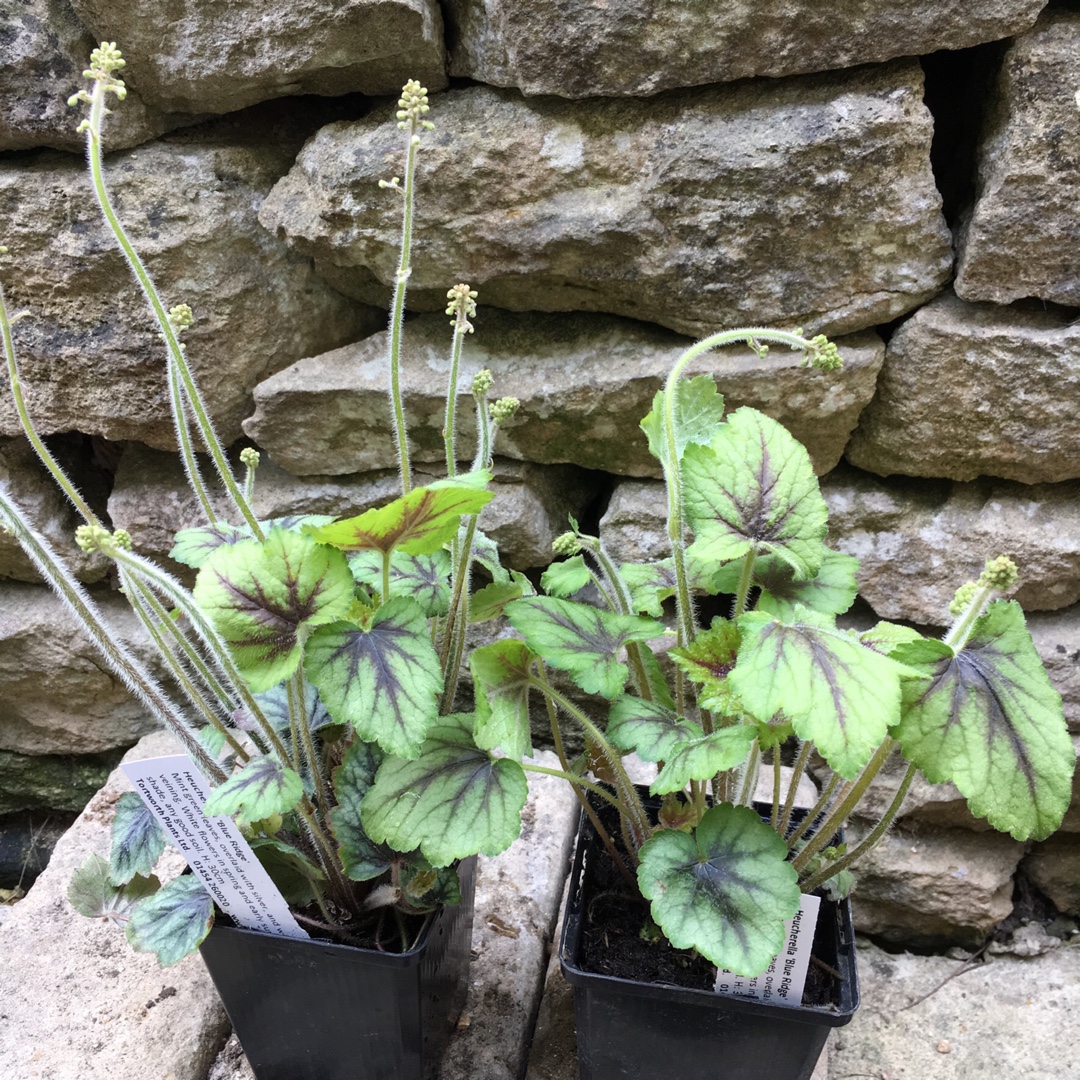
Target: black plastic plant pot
(628,1030)
(313,1010)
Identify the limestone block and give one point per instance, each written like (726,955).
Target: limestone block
(88,1006)
(927,887)
(152,501)
(917,542)
(1054,867)
(91,360)
(36,494)
(584,382)
(58,697)
(973,390)
(921,1017)
(213,56)
(45,50)
(805,201)
(1057,637)
(641,46)
(1024,233)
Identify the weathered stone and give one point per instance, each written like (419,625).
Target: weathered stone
(973,390)
(212,56)
(45,50)
(1057,637)
(1024,232)
(51,781)
(806,201)
(58,697)
(641,47)
(36,494)
(88,1007)
(922,1018)
(152,501)
(584,382)
(91,360)
(917,542)
(928,887)
(1054,867)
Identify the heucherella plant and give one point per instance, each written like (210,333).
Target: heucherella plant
(722,876)
(315,664)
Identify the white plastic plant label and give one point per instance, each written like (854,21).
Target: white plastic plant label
(175,791)
(785,978)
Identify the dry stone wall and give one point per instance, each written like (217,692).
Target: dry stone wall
(615,179)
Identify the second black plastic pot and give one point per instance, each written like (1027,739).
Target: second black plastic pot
(628,1030)
(313,1010)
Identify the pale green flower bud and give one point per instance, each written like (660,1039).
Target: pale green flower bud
(482,382)
(500,411)
(964,595)
(250,457)
(412,105)
(122,539)
(91,537)
(565,545)
(180,318)
(1000,573)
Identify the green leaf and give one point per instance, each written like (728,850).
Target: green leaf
(654,677)
(581,640)
(173,922)
(295,875)
(384,679)
(262,596)
(418,523)
(488,603)
(361,858)
(831,590)
(486,552)
(726,891)
(261,788)
(426,578)
(567,577)
(753,489)
(703,758)
(650,584)
(501,674)
(699,410)
(453,801)
(648,728)
(988,719)
(424,887)
(708,661)
(839,694)
(137,839)
(93,894)
(193,547)
(275,706)
(886,637)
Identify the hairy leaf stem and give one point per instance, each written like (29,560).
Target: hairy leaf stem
(836,817)
(120,660)
(165,325)
(870,841)
(793,787)
(42,451)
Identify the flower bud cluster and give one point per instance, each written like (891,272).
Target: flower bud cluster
(500,411)
(250,457)
(181,318)
(1000,573)
(93,538)
(462,306)
(104,61)
(482,382)
(566,544)
(412,105)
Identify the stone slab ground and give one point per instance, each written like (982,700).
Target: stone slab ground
(80,1005)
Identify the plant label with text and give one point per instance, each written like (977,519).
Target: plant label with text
(783,980)
(175,792)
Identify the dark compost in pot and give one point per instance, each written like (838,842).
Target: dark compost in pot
(629,1029)
(314,1010)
